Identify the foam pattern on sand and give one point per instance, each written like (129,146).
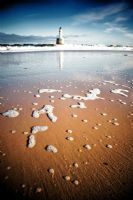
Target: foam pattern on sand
(120,91)
(48,109)
(48,90)
(91,95)
(31,138)
(36,129)
(10,113)
(51,148)
(31,141)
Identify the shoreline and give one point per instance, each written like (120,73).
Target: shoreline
(10,49)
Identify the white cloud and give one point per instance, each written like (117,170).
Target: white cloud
(115,27)
(130,35)
(99,13)
(121,19)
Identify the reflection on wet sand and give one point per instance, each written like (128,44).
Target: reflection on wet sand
(61,60)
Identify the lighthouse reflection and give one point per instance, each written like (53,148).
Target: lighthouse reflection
(61,60)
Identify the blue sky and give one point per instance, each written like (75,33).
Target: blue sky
(82,21)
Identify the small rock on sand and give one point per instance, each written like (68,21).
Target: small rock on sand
(74,115)
(70,138)
(76,182)
(37,95)
(79,105)
(108,136)
(99,124)
(67,178)
(52,100)
(69,131)
(23,185)
(115,123)
(38,190)
(114,119)
(25,132)
(87,146)
(35,104)
(52,97)
(51,171)
(75,165)
(84,120)
(29,92)
(95,127)
(8,168)
(13,131)
(109,146)
(103,114)
(6,177)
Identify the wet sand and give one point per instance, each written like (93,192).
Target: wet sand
(102,172)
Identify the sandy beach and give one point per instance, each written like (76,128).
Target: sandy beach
(94,144)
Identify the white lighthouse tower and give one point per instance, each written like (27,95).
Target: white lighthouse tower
(60,33)
(60,39)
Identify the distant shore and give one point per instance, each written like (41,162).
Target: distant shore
(66,47)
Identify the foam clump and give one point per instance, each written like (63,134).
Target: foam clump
(120,91)
(10,113)
(79,105)
(36,129)
(67,96)
(31,141)
(48,90)
(51,148)
(91,95)
(36,114)
(52,117)
(48,109)
(62,98)
(31,138)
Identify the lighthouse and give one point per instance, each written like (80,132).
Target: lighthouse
(60,39)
